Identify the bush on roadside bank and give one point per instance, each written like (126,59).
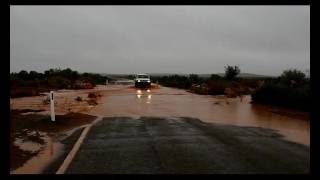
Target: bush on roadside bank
(92,95)
(217,87)
(177,81)
(213,85)
(78,99)
(291,89)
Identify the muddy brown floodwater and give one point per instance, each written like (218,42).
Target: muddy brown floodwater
(158,101)
(36,164)
(125,100)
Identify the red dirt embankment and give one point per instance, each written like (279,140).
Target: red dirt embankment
(30,128)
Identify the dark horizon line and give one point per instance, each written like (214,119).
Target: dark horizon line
(155,73)
(165,73)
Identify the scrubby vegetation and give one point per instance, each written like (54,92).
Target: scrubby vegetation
(231,72)
(32,83)
(174,81)
(291,89)
(92,95)
(78,99)
(228,84)
(214,85)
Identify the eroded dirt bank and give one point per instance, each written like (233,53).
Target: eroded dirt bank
(36,141)
(66,101)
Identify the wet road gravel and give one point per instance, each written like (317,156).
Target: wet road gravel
(153,145)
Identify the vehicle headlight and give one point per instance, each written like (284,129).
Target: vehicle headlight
(148,81)
(138,80)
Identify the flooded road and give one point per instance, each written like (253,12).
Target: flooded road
(124,100)
(157,145)
(158,101)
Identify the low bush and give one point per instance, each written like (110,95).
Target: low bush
(46,101)
(92,95)
(217,87)
(283,93)
(92,102)
(78,99)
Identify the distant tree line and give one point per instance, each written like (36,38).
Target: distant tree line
(26,83)
(291,89)
(178,81)
(213,85)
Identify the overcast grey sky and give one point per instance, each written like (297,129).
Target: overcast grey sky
(160,39)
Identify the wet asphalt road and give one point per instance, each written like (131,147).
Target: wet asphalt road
(149,145)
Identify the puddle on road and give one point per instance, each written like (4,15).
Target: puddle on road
(122,100)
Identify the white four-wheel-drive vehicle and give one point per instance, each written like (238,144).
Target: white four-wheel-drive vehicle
(142,80)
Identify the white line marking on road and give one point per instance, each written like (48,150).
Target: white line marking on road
(75,148)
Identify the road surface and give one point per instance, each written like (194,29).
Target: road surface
(151,145)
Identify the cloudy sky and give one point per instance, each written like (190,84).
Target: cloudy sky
(160,39)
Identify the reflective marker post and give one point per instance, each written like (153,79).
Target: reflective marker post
(53,118)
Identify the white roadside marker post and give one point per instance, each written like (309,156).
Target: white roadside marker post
(53,118)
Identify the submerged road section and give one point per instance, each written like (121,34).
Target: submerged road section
(151,145)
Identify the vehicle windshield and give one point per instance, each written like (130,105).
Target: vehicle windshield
(143,76)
